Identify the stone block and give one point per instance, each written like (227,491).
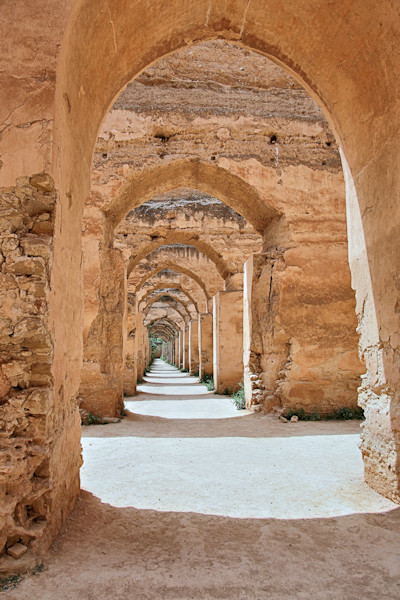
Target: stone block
(17,550)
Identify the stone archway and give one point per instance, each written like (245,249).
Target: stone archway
(91,72)
(295,48)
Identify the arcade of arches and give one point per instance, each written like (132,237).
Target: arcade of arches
(224,178)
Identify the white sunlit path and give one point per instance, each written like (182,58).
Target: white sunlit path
(194,452)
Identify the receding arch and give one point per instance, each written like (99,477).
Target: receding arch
(176,269)
(170,291)
(182,237)
(207,177)
(166,311)
(164,320)
(160,297)
(177,306)
(167,278)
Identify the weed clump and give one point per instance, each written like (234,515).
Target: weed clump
(208,382)
(340,414)
(238,398)
(92,419)
(9,583)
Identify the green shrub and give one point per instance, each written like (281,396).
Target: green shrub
(340,414)
(208,382)
(92,419)
(9,583)
(238,398)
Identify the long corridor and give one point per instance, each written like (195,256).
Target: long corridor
(188,498)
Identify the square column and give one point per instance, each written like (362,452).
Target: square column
(186,345)
(181,349)
(140,350)
(194,346)
(205,344)
(228,341)
(176,351)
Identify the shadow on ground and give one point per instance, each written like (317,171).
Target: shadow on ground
(123,553)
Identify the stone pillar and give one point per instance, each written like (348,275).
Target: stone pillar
(176,351)
(130,374)
(252,337)
(140,358)
(181,348)
(101,388)
(228,341)
(186,342)
(146,347)
(205,344)
(194,346)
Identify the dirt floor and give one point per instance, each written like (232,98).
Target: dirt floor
(206,506)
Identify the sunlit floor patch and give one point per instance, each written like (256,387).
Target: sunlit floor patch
(213,407)
(173,390)
(285,478)
(181,451)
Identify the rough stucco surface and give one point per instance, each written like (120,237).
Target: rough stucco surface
(71,72)
(31,424)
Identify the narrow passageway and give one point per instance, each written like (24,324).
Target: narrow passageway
(191,399)
(186,497)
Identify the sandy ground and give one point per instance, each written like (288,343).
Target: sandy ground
(183,501)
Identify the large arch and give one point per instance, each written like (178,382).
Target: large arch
(262,26)
(207,177)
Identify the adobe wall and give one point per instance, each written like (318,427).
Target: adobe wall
(300,347)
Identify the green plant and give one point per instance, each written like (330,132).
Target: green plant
(346,413)
(238,398)
(92,419)
(208,382)
(340,414)
(155,344)
(9,583)
(38,569)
